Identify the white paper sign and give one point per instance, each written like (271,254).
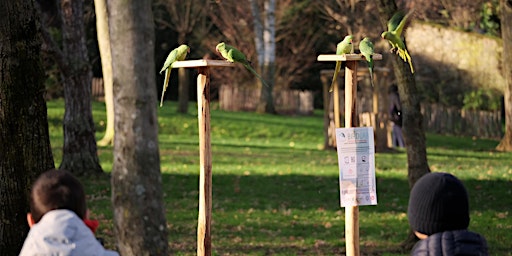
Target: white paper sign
(356,160)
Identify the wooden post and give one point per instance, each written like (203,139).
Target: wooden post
(325,95)
(380,108)
(204,219)
(351,120)
(336,101)
(205,163)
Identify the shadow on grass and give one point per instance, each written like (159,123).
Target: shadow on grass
(313,192)
(300,214)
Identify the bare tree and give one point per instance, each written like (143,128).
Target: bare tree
(264,22)
(415,140)
(346,17)
(295,59)
(292,20)
(25,150)
(506,34)
(137,198)
(184,17)
(235,28)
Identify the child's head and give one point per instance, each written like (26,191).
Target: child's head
(57,189)
(438,202)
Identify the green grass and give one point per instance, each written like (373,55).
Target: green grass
(275,191)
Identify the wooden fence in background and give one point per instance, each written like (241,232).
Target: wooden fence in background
(436,118)
(97,90)
(292,102)
(453,121)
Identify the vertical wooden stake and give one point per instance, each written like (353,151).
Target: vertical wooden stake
(325,95)
(204,246)
(375,94)
(336,101)
(351,120)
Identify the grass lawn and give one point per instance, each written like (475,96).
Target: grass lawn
(275,191)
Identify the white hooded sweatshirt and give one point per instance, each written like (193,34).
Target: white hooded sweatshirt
(62,233)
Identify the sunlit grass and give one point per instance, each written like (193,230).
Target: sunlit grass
(275,191)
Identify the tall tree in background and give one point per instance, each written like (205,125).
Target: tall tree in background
(137,198)
(506,35)
(345,17)
(295,59)
(231,21)
(100,7)
(25,150)
(79,152)
(184,17)
(415,140)
(254,35)
(265,40)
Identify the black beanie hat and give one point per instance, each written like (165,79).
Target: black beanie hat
(438,202)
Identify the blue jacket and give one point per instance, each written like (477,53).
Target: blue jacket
(63,233)
(452,243)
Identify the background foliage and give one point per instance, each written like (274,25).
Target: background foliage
(305,28)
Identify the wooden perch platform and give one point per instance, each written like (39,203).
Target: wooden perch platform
(346,57)
(360,72)
(202,63)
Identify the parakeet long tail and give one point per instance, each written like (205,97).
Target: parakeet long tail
(409,60)
(404,54)
(166,83)
(370,69)
(335,76)
(371,75)
(248,67)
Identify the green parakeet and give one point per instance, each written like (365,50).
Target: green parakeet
(343,47)
(232,54)
(394,36)
(177,54)
(366,48)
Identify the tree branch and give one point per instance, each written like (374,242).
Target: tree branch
(51,47)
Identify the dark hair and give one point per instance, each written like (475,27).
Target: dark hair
(57,189)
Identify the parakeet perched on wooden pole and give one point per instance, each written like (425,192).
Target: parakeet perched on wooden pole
(232,54)
(178,54)
(366,48)
(343,47)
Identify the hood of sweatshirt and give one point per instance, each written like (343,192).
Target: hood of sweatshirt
(62,232)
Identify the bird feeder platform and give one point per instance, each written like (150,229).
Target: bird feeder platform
(351,120)
(346,57)
(202,63)
(204,241)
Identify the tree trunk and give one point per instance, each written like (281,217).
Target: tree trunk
(264,39)
(183,93)
(269,60)
(100,7)
(79,153)
(506,35)
(266,104)
(25,150)
(183,88)
(139,218)
(414,134)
